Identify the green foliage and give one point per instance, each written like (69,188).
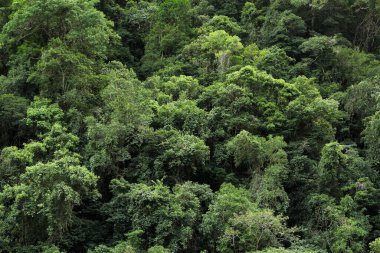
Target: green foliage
(54,144)
(4,11)
(64,68)
(283,29)
(270,95)
(125,97)
(42,114)
(361,99)
(251,20)
(220,23)
(247,150)
(189,126)
(229,109)
(273,60)
(312,118)
(118,131)
(291,250)
(121,247)
(319,52)
(54,141)
(53,249)
(266,161)
(345,237)
(229,200)
(55,44)
(12,112)
(170,32)
(235,224)
(254,230)
(212,54)
(355,66)
(229,8)
(375,246)
(339,166)
(164,217)
(336,231)
(77,22)
(183,115)
(262,84)
(185,87)
(370,136)
(44,201)
(158,249)
(182,157)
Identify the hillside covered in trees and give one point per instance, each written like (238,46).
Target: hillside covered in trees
(159,126)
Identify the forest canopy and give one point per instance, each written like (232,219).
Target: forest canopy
(159,126)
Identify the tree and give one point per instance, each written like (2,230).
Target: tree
(270,95)
(229,110)
(248,151)
(164,217)
(121,247)
(182,157)
(370,137)
(4,12)
(266,162)
(170,31)
(360,102)
(53,145)
(158,249)
(273,60)
(367,32)
(300,249)
(375,246)
(234,223)
(183,115)
(264,85)
(333,16)
(157,126)
(285,31)
(43,203)
(53,141)
(254,231)
(177,87)
(228,201)
(251,20)
(213,54)
(230,8)
(312,118)
(12,112)
(220,23)
(355,66)
(318,53)
(132,22)
(64,38)
(118,131)
(315,6)
(52,249)
(42,114)
(347,237)
(64,68)
(77,23)
(331,171)
(333,228)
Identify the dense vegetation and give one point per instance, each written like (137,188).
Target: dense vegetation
(190,126)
